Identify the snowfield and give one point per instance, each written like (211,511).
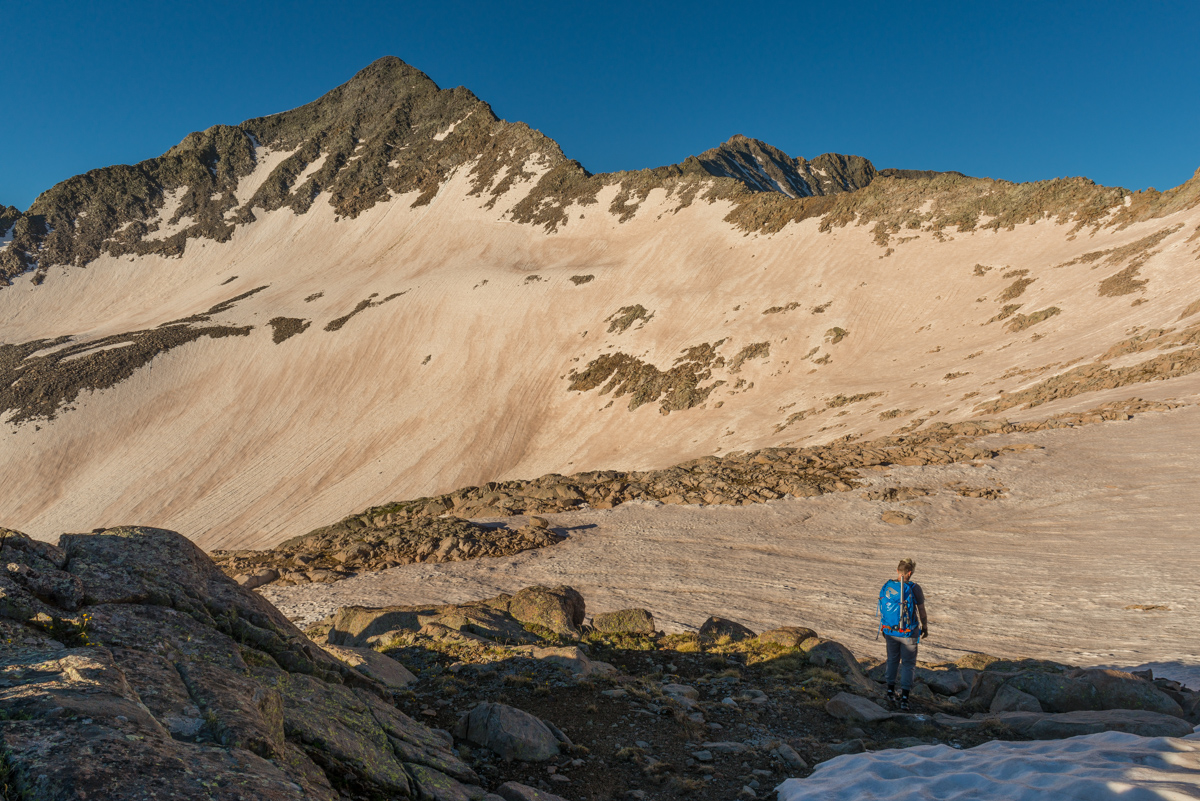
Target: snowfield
(1096,767)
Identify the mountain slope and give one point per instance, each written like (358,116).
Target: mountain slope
(390,293)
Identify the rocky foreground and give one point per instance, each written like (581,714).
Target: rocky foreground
(134,668)
(437,529)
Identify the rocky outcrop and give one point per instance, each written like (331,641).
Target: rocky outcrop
(131,647)
(376,542)
(764,168)
(1061,689)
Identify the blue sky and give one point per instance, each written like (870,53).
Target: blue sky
(1014,90)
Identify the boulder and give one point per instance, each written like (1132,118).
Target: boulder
(1009,699)
(512,791)
(985,686)
(945,681)
(855,708)
(559,609)
(257,579)
(511,733)
(788,756)
(787,636)
(1120,690)
(1056,691)
(626,621)
(371,663)
(681,691)
(1072,724)
(1191,707)
(834,655)
(717,627)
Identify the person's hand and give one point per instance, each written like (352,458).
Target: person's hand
(924,631)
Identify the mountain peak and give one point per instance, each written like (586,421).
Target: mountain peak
(764,167)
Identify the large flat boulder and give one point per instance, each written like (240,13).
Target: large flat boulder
(1057,692)
(856,709)
(371,663)
(1117,689)
(1053,726)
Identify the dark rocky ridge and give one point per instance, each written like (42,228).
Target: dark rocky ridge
(376,134)
(768,169)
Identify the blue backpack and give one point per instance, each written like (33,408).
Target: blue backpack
(898,611)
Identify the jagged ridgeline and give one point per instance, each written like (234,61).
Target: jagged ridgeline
(391,131)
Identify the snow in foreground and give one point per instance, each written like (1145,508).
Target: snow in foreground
(1095,767)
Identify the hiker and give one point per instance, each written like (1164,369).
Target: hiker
(901,603)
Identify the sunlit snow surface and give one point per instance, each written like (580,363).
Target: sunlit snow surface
(1095,767)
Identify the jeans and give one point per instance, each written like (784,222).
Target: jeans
(902,654)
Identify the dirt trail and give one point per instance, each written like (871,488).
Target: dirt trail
(1100,519)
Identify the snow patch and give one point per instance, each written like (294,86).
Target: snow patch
(6,236)
(439,137)
(311,169)
(265,162)
(1098,767)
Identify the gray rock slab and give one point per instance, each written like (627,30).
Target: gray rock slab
(846,706)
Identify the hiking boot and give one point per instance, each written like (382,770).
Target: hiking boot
(890,697)
(904,707)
